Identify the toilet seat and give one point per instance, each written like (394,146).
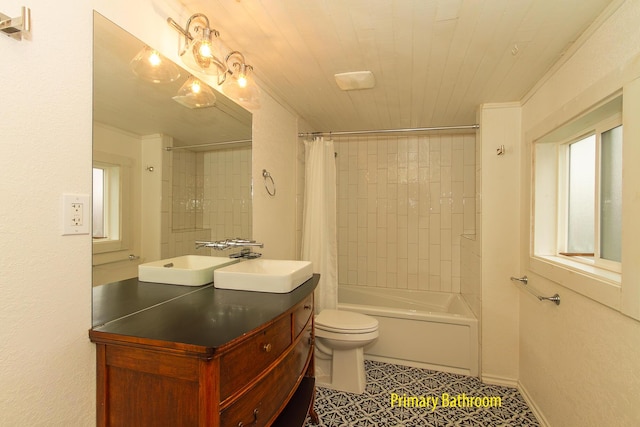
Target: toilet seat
(345,322)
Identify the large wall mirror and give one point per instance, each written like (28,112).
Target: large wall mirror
(165,175)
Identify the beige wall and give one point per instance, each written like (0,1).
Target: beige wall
(275,145)
(579,360)
(47,362)
(500,225)
(155,198)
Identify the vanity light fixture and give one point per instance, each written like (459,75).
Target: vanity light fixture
(17,28)
(195,94)
(202,51)
(201,47)
(240,86)
(150,65)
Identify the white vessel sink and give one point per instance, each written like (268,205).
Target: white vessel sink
(187,270)
(263,275)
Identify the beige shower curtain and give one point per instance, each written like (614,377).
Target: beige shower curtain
(319,227)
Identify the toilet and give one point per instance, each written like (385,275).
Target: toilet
(340,340)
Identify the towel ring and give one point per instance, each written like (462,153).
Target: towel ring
(266,175)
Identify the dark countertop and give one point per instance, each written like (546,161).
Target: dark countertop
(204,317)
(118,299)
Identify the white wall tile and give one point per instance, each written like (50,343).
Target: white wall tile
(403,202)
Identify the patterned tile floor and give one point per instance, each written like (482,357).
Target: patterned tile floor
(400,396)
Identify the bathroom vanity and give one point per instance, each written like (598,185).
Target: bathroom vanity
(172,356)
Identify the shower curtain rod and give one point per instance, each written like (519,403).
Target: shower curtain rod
(209,144)
(366,132)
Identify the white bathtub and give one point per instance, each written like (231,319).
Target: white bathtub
(433,330)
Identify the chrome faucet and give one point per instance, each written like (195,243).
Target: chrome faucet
(221,245)
(245,253)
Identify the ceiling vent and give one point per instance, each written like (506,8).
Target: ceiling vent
(355,80)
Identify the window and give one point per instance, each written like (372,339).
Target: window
(611,195)
(580,202)
(110,228)
(106,202)
(590,205)
(577,204)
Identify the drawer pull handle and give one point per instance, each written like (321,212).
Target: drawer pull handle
(267,349)
(240,424)
(307,306)
(255,415)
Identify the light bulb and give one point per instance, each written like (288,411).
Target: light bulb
(154,58)
(195,86)
(242,70)
(204,49)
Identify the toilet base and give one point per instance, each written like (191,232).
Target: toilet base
(323,371)
(344,372)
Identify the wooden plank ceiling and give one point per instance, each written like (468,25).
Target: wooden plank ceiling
(434,61)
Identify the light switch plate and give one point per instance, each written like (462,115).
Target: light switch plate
(76,214)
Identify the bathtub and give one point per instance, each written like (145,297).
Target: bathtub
(433,330)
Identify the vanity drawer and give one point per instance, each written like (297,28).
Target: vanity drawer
(264,399)
(243,363)
(302,313)
(307,340)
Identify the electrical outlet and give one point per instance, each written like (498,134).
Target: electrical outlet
(75,214)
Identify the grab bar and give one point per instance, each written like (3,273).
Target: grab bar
(525,283)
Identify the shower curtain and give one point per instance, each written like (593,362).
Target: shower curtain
(319,227)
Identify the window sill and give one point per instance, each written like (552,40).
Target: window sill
(596,283)
(108,246)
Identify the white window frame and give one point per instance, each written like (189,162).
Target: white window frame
(580,275)
(117,191)
(597,130)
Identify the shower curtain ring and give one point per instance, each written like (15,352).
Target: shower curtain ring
(266,175)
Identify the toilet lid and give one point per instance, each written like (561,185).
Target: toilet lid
(345,322)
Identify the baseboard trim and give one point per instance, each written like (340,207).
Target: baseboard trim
(501,381)
(510,382)
(532,405)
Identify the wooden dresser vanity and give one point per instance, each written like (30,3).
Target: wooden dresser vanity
(204,357)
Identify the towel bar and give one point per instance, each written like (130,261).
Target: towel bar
(131,257)
(525,283)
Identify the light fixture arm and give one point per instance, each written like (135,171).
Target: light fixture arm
(199,53)
(230,67)
(186,30)
(178,28)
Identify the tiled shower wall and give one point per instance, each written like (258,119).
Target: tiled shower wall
(187,191)
(471,250)
(403,203)
(208,197)
(227,193)
(182,195)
